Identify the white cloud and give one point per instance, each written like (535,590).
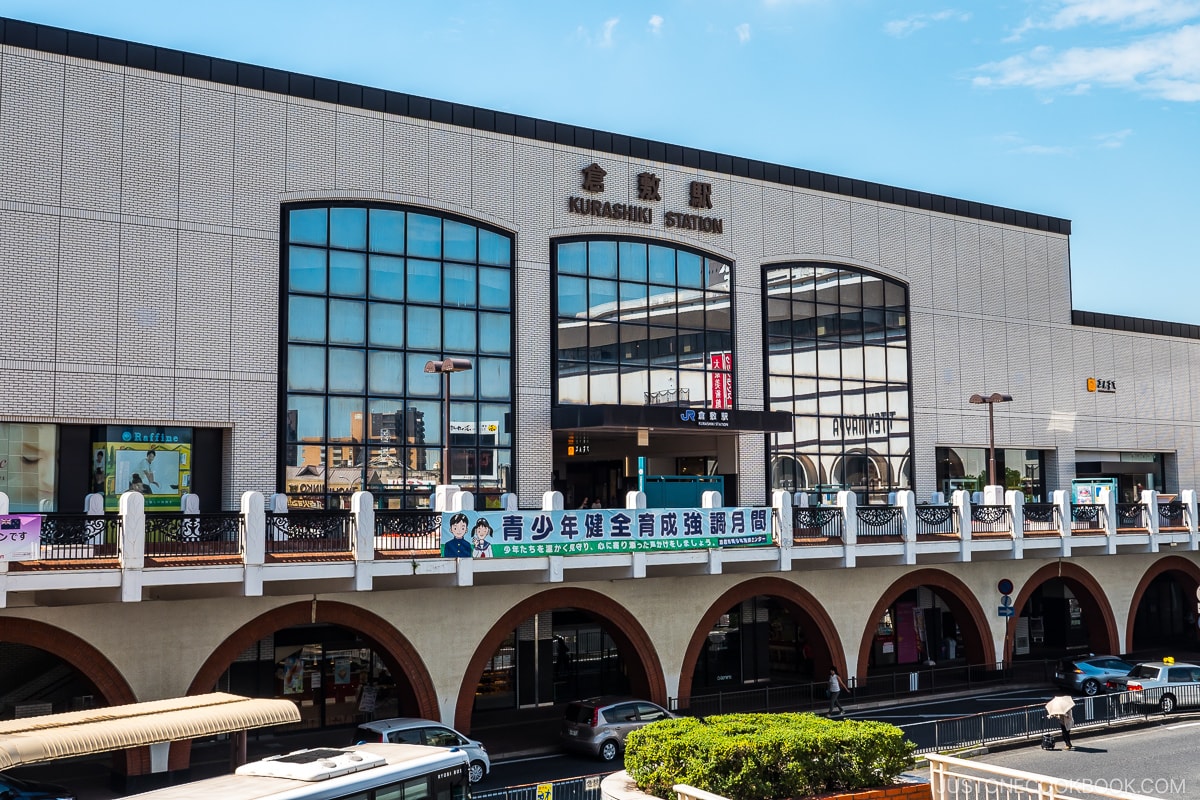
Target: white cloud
(900,28)
(1015,143)
(1132,13)
(1113,139)
(606,37)
(1165,65)
(656,23)
(743,32)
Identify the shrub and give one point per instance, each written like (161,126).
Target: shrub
(766,756)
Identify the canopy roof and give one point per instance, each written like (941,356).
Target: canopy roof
(76,733)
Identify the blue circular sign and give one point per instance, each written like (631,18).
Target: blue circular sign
(1005,586)
(125,436)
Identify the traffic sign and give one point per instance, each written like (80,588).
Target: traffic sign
(1006,586)
(1005,611)
(1006,600)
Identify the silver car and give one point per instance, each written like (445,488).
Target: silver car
(598,726)
(1089,674)
(411,730)
(1161,683)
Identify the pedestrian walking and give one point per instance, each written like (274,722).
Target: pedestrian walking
(1065,721)
(835,690)
(1060,709)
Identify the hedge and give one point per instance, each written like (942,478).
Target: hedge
(766,756)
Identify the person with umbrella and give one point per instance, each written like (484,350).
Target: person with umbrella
(1059,709)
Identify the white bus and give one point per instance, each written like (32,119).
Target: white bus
(362,772)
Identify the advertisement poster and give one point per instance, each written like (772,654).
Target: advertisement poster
(500,534)
(28,465)
(721,382)
(20,537)
(341,671)
(154,461)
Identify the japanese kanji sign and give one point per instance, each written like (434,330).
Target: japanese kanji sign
(20,537)
(509,534)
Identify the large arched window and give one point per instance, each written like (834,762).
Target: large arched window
(372,293)
(837,361)
(641,323)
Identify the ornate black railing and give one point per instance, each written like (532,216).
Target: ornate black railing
(937,520)
(822,521)
(879,521)
(208,534)
(1041,518)
(1171,515)
(1087,517)
(991,519)
(71,536)
(407,529)
(1131,515)
(309,531)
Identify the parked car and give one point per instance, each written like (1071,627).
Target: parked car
(16,789)
(411,730)
(1165,684)
(598,726)
(1089,675)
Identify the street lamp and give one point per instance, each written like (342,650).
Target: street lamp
(990,400)
(447,366)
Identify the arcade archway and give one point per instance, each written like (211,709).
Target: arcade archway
(1061,608)
(1162,611)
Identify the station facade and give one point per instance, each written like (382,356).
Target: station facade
(232,279)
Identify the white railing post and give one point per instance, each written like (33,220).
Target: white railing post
(635,499)
(362,513)
(131,552)
(254,545)
(781,508)
(847,502)
(1062,502)
(1016,512)
(1188,496)
(961,499)
(552,501)
(1149,501)
(710,499)
(907,501)
(1106,498)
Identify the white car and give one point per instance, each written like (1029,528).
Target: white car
(412,730)
(1165,684)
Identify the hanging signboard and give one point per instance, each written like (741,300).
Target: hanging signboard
(499,534)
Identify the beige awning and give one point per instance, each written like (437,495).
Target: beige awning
(77,733)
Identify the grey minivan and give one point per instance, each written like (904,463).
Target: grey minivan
(598,726)
(412,730)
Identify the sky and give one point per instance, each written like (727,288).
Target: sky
(1087,110)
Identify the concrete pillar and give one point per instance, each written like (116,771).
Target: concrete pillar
(552,501)
(635,499)
(131,551)
(847,502)
(508,501)
(907,501)
(1149,501)
(362,513)
(1106,498)
(993,496)
(189,503)
(254,546)
(710,499)
(961,500)
(93,505)
(442,497)
(462,501)
(1062,501)
(1016,512)
(1188,496)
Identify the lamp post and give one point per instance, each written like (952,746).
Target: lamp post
(447,366)
(990,400)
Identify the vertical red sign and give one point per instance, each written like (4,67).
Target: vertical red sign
(721,380)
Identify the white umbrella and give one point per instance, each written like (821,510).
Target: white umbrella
(1060,705)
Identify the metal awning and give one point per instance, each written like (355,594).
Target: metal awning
(77,733)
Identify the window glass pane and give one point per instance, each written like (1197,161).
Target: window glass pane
(691,349)
(662,346)
(425,328)
(572,258)
(424,281)
(719,342)
(662,265)
(458,241)
(662,387)
(347,321)
(307,226)
(605,388)
(717,275)
(693,386)
(634,344)
(572,293)
(602,343)
(462,384)
(387,231)
(420,382)
(348,228)
(633,261)
(387,278)
(424,236)
(345,424)
(347,370)
(495,379)
(716,313)
(386,415)
(691,269)
(572,341)
(306,319)
(494,249)
(495,331)
(306,270)
(427,427)
(634,386)
(633,301)
(495,288)
(460,285)
(386,371)
(602,259)
(387,325)
(662,305)
(691,309)
(572,383)
(602,298)
(460,331)
(497,413)
(347,273)
(305,418)
(306,369)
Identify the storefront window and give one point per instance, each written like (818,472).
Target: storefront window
(372,295)
(967,468)
(28,469)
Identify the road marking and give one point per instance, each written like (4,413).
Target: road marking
(1182,725)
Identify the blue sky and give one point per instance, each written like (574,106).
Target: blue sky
(1083,109)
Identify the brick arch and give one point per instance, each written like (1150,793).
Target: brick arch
(959,599)
(799,603)
(1188,569)
(645,669)
(1092,600)
(94,665)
